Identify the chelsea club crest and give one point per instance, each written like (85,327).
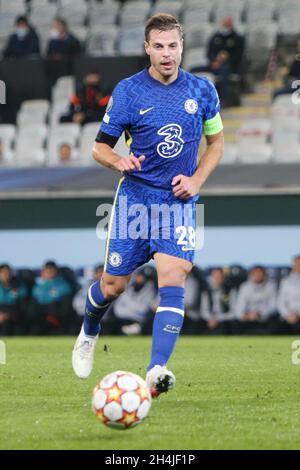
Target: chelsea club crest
(191,106)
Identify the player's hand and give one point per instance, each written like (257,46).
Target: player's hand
(185,187)
(129,163)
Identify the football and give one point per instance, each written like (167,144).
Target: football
(121,400)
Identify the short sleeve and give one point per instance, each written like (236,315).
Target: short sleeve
(116,117)
(212,107)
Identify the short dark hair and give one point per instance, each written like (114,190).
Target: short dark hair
(260,267)
(62,21)
(21,19)
(162,22)
(50,264)
(5,266)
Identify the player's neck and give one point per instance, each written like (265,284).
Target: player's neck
(160,78)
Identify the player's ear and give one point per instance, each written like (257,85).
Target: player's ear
(147,47)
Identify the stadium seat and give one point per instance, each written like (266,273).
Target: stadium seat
(253,141)
(102,42)
(172,6)
(63,89)
(230,154)
(17,7)
(76,13)
(286,141)
(195,17)
(30,145)
(87,139)
(195,57)
(41,15)
(134,13)
(7,137)
(261,40)
(103,14)
(62,134)
(7,21)
(233,8)
(80,32)
(131,41)
(57,110)
(197,35)
(32,111)
(257,11)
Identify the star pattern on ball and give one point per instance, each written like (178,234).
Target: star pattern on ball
(143,393)
(114,394)
(129,418)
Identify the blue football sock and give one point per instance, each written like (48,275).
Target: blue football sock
(95,307)
(167,324)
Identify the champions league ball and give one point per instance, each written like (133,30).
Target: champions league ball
(121,400)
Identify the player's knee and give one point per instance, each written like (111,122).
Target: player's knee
(112,289)
(175,276)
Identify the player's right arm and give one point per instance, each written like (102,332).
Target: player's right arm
(116,119)
(106,156)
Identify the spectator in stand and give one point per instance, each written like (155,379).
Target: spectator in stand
(225,55)
(196,286)
(218,304)
(132,313)
(13,302)
(51,307)
(288,303)
(89,103)
(62,43)
(292,76)
(256,301)
(24,42)
(79,299)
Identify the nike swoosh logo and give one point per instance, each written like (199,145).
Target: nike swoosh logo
(144,111)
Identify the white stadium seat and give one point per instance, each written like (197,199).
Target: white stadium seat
(7,137)
(30,145)
(253,141)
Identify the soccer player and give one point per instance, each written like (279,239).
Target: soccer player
(163,111)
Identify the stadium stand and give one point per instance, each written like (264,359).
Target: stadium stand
(218,300)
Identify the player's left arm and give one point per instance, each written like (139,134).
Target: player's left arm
(185,187)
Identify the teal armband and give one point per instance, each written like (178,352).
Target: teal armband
(213,126)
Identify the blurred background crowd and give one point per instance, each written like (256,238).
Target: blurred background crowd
(219,300)
(59,62)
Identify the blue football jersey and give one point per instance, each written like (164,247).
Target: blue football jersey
(162,122)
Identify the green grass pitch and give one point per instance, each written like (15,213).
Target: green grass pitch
(231,393)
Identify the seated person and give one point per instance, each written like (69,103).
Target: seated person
(292,76)
(256,301)
(24,42)
(79,299)
(13,302)
(89,103)
(51,308)
(288,303)
(62,43)
(218,303)
(133,311)
(225,55)
(66,155)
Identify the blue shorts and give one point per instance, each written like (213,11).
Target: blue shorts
(145,220)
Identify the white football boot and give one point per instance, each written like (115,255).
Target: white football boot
(160,380)
(83,354)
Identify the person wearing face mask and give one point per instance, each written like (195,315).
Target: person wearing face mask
(89,102)
(225,54)
(23,42)
(62,43)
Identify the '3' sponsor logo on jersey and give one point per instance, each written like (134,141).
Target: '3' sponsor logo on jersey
(172,144)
